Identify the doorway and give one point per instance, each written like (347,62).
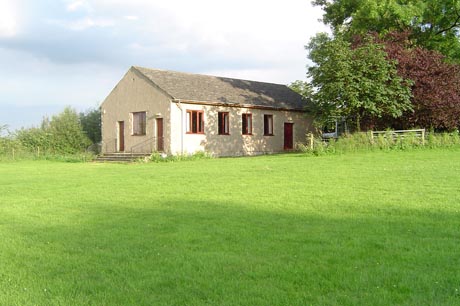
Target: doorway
(160,138)
(288,136)
(121,136)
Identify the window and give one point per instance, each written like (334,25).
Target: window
(268,125)
(139,123)
(223,123)
(247,124)
(195,122)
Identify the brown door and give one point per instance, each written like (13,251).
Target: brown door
(288,136)
(160,139)
(121,136)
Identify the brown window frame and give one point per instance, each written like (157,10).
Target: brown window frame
(268,125)
(195,122)
(246,124)
(139,123)
(223,123)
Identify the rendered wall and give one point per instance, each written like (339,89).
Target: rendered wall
(134,93)
(235,144)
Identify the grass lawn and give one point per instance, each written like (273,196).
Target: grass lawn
(356,229)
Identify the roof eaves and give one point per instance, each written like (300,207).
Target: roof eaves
(250,106)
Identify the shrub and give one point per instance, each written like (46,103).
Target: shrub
(383,142)
(158,157)
(62,134)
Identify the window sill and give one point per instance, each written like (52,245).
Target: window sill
(226,134)
(190,133)
(247,134)
(269,134)
(138,134)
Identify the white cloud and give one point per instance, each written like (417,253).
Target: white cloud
(134,18)
(88,22)
(265,33)
(79,5)
(73,6)
(8,19)
(83,23)
(48,83)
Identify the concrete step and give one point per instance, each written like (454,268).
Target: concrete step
(120,157)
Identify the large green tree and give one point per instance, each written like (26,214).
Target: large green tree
(358,83)
(434,24)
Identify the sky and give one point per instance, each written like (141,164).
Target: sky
(58,53)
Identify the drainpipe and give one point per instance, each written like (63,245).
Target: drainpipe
(179,105)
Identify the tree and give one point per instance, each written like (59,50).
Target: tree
(66,132)
(91,123)
(434,24)
(357,83)
(302,88)
(436,88)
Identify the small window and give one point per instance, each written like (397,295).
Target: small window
(268,125)
(246,124)
(195,122)
(139,123)
(223,123)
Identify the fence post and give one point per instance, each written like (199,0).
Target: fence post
(38,151)
(423,137)
(371,136)
(311,140)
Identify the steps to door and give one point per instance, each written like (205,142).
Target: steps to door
(121,157)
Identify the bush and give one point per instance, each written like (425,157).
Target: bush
(437,140)
(60,138)
(33,138)
(383,142)
(62,135)
(158,157)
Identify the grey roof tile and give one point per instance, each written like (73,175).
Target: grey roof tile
(212,89)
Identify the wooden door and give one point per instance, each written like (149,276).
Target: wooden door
(288,136)
(121,136)
(160,137)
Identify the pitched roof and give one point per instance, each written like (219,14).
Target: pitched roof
(220,90)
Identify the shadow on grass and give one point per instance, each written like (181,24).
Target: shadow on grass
(200,252)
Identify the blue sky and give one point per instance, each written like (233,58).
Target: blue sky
(55,53)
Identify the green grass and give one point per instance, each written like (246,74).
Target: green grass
(379,228)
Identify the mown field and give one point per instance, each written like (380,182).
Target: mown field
(379,228)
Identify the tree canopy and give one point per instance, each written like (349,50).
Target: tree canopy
(357,83)
(302,88)
(436,88)
(434,24)
(388,63)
